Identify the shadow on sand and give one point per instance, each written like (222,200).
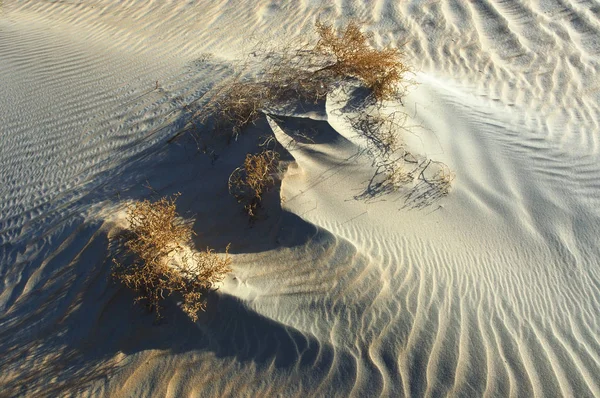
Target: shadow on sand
(72,328)
(65,325)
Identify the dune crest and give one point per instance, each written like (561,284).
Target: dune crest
(491,290)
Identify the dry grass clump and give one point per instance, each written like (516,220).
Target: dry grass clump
(248,182)
(381,132)
(385,147)
(440,177)
(379,70)
(235,105)
(164,261)
(395,165)
(433,183)
(303,73)
(238,103)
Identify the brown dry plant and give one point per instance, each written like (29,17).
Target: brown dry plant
(379,70)
(301,73)
(238,103)
(441,176)
(164,259)
(249,182)
(234,105)
(383,144)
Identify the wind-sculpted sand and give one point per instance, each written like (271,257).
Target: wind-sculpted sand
(338,290)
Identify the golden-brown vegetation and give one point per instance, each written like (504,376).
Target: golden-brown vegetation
(305,73)
(352,56)
(249,182)
(164,259)
(235,105)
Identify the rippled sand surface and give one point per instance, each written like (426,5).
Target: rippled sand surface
(493,290)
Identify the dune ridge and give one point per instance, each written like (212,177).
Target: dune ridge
(494,290)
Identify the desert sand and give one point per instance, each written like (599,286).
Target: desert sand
(491,290)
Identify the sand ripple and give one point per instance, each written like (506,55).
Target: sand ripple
(493,291)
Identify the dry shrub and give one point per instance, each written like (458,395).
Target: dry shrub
(235,105)
(164,261)
(308,71)
(248,182)
(382,132)
(302,73)
(379,70)
(238,103)
(395,165)
(383,144)
(440,176)
(433,183)
(292,75)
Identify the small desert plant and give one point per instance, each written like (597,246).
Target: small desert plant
(382,132)
(433,183)
(248,182)
(379,70)
(383,144)
(164,261)
(235,105)
(440,177)
(238,103)
(301,74)
(395,165)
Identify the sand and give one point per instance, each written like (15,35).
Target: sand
(491,290)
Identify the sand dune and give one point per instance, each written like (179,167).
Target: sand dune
(492,290)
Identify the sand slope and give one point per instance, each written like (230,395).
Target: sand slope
(493,290)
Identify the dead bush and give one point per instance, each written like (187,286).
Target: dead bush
(234,105)
(248,182)
(238,103)
(395,165)
(382,134)
(303,73)
(379,70)
(164,261)
(438,175)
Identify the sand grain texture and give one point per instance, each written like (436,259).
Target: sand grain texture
(493,290)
